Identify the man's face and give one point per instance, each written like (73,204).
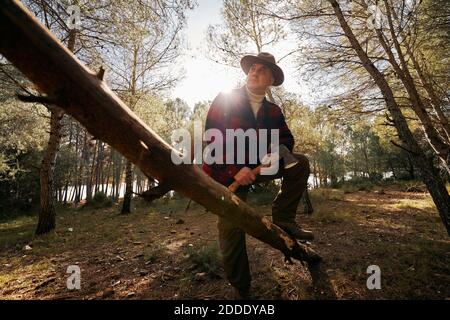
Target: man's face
(259,77)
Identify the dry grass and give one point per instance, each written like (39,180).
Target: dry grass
(148,254)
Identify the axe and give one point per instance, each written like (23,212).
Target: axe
(288,159)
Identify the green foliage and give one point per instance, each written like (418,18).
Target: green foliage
(206,258)
(200,111)
(434,43)
(100,200)
(163,116)
(22,139)
(348,147)
(254,31)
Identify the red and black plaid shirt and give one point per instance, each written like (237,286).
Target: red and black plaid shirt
(233,111)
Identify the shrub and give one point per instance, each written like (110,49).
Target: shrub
(207,258)
(358,185)
(100,200)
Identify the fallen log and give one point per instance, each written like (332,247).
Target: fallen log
(80,93)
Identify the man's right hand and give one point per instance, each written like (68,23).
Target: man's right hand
(245,176)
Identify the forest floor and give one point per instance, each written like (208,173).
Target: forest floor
(162,252)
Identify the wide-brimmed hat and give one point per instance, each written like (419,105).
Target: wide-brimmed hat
(266,59)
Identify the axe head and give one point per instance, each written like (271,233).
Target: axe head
(288,159)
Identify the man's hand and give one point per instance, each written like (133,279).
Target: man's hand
(245,176)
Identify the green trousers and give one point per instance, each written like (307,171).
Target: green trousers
(284,207)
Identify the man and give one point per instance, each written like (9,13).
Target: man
(247,108)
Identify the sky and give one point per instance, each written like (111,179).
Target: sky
(204,79)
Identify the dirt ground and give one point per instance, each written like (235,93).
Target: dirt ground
(162,252)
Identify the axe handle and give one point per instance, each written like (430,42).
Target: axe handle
(233,187)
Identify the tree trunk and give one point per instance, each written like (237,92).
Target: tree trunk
(67,182)
(47,214)
(430,176)
(412,176)
(105,182)
(80,170)
(90,171)
(99,178)
(366,159)
(427,83)
(117,175)
(86,172)
(75,198)
(126,206)
(392,167)
(85,97)
(98,168)
(439,145)
(435,101)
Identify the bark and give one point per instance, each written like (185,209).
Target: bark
(67,182)
(56,72)
(117,175)
(429,174)
(105,182)
(77,173)
(81,173)
(126,206)
(100,167)
(315,183)
(88,173)
(97,168)
(47,214)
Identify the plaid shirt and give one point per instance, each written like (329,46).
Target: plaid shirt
(233,111)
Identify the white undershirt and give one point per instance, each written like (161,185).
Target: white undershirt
(255,100)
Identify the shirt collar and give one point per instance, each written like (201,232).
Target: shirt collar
(253,96)
(243,93)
